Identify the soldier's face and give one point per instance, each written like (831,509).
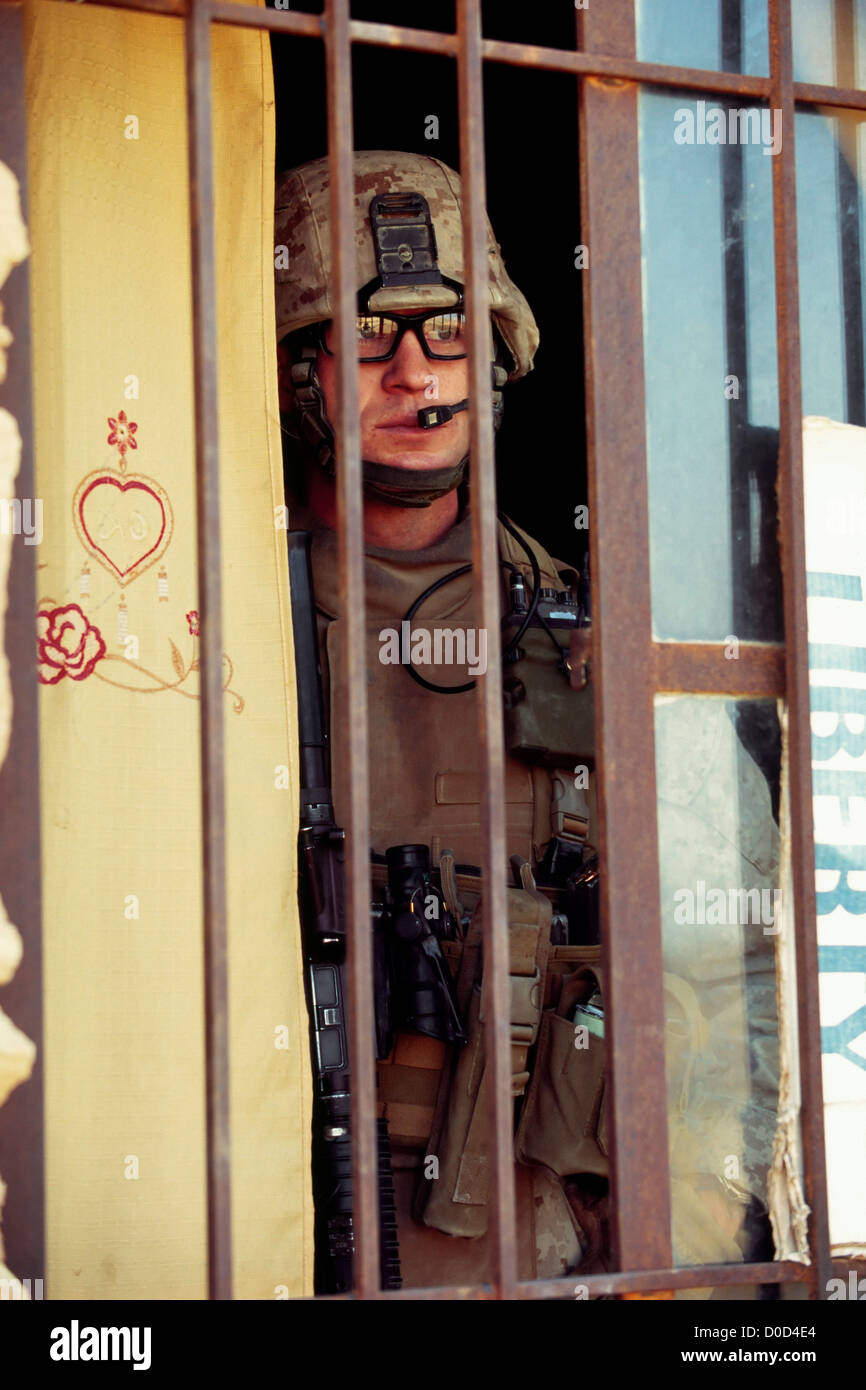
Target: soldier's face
(392,393)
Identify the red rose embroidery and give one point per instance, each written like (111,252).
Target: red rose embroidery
(122,431)
(68,645)
(192,619)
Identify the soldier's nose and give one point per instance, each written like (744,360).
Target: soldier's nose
(409,368)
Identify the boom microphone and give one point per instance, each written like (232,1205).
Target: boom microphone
(435,415)
(439,414)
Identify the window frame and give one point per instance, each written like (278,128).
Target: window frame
(608,77)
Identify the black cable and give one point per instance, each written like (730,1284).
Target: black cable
(536,575)
(409,615)
(528,617)
(536,579)
(563,651)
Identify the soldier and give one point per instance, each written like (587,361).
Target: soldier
(424,651)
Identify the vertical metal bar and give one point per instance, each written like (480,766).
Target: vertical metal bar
(496,1001)
(338,59)
(625,732)
(745,467)
(201,203)
(793,546)
(22,1119)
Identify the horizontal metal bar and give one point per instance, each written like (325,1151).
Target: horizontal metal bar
(401,36)
(812,93)
(661,1280)
(619,67)
(636,1281)
(277,21)
(179,8)
(701,668)
(515,54)
(520,54)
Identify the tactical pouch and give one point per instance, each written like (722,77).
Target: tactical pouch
(456,1201)
(563,1124)
(546,721)
(564,1121)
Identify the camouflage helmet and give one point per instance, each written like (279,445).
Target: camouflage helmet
(302,217)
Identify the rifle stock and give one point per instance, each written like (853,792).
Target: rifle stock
(323,915)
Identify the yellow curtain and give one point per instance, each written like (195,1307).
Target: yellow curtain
(118,645)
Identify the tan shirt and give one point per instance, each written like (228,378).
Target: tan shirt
(425,756)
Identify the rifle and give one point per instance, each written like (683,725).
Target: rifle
(323,917)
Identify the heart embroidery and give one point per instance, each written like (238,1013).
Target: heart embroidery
(124,520)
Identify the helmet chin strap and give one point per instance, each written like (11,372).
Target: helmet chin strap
(404,487)
(383,482)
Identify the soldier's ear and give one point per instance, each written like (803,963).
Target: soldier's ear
(284,379)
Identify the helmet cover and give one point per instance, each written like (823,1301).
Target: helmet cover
(302,225)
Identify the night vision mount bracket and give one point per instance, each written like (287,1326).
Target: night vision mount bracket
(405,241)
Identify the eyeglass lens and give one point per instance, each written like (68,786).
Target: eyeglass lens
(376,334)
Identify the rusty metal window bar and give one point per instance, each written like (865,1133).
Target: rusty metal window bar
(609,74)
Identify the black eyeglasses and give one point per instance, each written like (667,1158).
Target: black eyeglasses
(441,333)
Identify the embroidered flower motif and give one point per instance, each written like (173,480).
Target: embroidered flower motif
(68,645)
(192,619)
(122,431)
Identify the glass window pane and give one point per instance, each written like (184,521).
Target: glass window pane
(724,34)
(829,41)
(831,164)
(710,362)
(812,24)
(718,767)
